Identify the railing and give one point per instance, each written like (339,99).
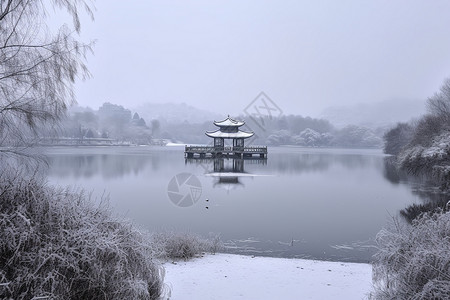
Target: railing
(200,149)
(210,149)
(256,149)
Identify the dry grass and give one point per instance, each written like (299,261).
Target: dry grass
(184,245)
(413,262)
(55,244)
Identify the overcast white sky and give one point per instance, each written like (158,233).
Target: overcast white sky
(305,55)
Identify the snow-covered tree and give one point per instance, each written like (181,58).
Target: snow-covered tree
(356,136)
(397,138)
(311,137)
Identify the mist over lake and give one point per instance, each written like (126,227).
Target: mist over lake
(301,202)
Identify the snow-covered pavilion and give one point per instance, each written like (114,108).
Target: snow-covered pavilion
(229,129)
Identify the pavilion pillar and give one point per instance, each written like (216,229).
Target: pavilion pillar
(218,142)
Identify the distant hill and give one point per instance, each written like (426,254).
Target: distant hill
(373,115)
(176,113)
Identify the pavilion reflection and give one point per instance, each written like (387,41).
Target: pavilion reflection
(227,172)
(228,166)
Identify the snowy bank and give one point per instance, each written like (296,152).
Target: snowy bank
(230,276)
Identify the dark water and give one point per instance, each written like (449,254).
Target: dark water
(314,203)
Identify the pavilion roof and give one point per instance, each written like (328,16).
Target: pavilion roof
(229,122)
(229,135)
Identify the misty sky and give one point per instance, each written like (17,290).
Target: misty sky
(305,55)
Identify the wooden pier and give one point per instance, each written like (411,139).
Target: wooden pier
(226,151)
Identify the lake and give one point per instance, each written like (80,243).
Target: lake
(301,202)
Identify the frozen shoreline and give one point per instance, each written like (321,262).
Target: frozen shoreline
(231,276)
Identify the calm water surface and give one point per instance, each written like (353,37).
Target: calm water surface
(313,203)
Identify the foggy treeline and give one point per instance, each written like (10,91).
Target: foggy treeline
(120,123)
(311,132)
(422,147)
(109,121)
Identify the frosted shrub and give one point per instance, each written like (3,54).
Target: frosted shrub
(413,262)
(418,159)
(214,243)
(184,245)
(55,244)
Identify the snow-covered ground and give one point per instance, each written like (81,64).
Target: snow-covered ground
(229,276)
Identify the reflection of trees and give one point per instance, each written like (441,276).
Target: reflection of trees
(396,175)
(298,163)
(391,172)
(106,165)
(314,162)
(293,162)
(432,203)
(432,199)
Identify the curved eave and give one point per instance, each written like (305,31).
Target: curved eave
(229,122)
(229,135)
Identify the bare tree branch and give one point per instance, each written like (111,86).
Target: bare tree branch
(37,70)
